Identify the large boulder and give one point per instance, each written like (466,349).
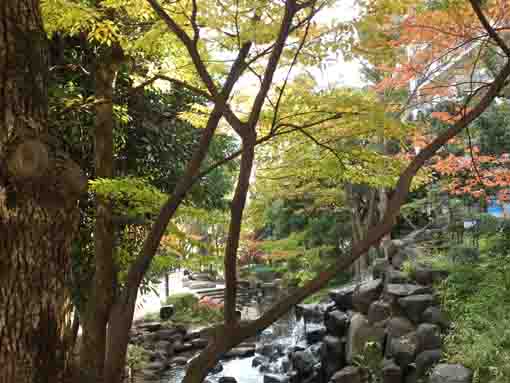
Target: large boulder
(391,372)
(403,349)
(311,312)
(343,297)
(360,332)
(428,336)
(406,289)
(259,360)
(426,275)
(337,322)
(332,355)
(365,294)
(380,267)
(379,311)
(398,326)
(436,316)
(349,374)
(199,343)
(415,305)
(425,360)
(240,352)
(395,328)
(303,361)
(451,373)
(395,276)
(315,332)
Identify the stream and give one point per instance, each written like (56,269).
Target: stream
(285,333)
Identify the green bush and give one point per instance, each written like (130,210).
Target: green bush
(182,301)
(464,254)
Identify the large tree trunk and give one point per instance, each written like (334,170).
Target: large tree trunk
(38,209)
(101,295)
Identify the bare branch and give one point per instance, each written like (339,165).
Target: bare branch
(274,58)
(294,60)
(488,27)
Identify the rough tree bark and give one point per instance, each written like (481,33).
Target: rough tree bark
(39,189)
(101,292)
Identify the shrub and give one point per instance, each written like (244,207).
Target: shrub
(182,301)
(464,254)
(137,357)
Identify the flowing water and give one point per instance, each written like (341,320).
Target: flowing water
(287,331)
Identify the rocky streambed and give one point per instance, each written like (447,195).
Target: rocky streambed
(387,329)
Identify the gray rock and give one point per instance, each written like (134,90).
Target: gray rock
(275,378)
(179,360)
(337,322)
(393,276)
(155,366)
(398,326)
(227,379)
(348,374)
(398,259)
(311,312)
(182,347)
(343,297)
(193,335)
(270,349)
(332,355)
(200,343)
(436,316)
(378,311)
(425,360)
(406,289)
(315,333)
(166,312)
(365,294)
(451,373)
(217,369)
(201,277)
(428,336)
(258,360)
(150,326)
(198,285)
(403,349)
(380,268)
(360,332)
(303,361)
(171,334)
(412,376)
(415,305)
(391,372)
(427,276)
(240,352)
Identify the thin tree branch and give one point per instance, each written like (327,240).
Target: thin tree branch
(475,4)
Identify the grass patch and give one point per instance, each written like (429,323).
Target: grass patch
(477,298)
